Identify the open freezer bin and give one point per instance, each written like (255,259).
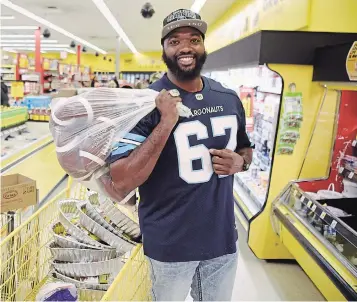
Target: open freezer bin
(325,229)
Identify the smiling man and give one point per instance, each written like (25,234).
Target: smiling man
(184,169)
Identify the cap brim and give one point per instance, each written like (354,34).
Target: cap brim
(200,25)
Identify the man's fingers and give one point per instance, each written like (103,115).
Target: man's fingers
(221,153)
(218,160)
(217,167)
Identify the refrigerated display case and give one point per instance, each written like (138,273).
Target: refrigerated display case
(259,90)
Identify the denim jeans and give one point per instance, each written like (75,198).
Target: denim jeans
(210,280)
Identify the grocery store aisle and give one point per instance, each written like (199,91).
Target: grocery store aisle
(263,281)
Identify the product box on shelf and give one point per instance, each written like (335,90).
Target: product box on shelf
(17,191)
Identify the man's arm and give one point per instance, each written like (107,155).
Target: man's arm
(130,172)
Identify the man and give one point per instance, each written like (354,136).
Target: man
(184,168)
(4,94)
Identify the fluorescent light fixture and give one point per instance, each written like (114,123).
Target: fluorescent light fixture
(33,45)
(43,50)
(7,17)
(22,27)
(50,25)
(197,5)
(103,8)
(18,36)
(28,41)
(24,48)
(10,50)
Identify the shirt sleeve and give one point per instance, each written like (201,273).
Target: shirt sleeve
(133,139)
(243,140)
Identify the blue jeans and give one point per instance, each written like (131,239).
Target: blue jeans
(210,280)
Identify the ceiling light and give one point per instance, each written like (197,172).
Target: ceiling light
(197,5)
(46,23)
(7,17)
(33,45)
(18,27)
(43,50)
(103,8)
(21,48)
(9,50)
(27,41)
(17,36)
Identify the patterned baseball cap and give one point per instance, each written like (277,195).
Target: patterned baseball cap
(183,18)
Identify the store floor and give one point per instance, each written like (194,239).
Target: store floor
(265,281)
(260,280)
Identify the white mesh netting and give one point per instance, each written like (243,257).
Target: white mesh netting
(84,128)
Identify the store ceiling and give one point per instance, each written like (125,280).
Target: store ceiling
(83,19)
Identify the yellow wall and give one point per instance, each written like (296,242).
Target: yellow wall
(333,16)
(128,62)
(291,15)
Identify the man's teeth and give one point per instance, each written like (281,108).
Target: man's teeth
(186,60)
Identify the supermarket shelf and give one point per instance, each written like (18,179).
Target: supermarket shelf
(342,228)
(8,161)
(249,192)
(6,132)
(325,270)
(348,174)
(245,203)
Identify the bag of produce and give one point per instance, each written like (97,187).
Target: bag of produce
(85,127)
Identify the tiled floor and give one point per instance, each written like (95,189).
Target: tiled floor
(263,281)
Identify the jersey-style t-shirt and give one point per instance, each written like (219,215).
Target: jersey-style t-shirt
(186,210)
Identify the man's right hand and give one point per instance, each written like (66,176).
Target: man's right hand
(166,104)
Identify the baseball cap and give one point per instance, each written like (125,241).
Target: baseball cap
(183,18)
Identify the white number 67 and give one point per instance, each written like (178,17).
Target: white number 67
(187,154)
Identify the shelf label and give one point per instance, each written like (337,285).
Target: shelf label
(309,204)
(313,208)
(323,215)
(350,175)
(333,224)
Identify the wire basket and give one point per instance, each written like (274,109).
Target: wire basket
(26,259)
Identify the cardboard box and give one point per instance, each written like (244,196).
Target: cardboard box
(17,191)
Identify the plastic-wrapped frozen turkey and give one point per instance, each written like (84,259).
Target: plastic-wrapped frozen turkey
(85,126)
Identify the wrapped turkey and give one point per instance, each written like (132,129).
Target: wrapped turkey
(85,126)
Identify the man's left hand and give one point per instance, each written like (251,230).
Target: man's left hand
(226,162)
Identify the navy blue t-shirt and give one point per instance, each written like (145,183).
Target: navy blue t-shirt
(186,210)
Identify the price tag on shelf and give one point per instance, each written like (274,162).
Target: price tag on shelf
(350,175)
(313,208)
(323,215)
(309,204)
(333,224)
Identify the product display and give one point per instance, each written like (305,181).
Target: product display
(88,249)
(87,127)
(333,217)
(259,90)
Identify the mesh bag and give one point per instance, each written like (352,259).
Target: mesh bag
(84,128)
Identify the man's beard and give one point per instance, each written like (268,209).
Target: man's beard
(185,75)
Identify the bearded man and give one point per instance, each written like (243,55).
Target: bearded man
(184,169)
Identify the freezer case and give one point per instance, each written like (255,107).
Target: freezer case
(325,229)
